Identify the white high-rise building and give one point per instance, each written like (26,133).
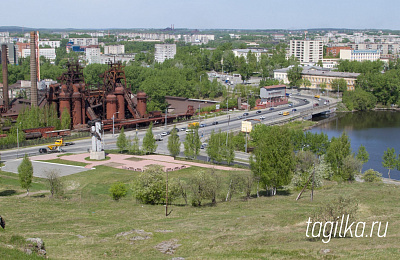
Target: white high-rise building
(114,49)
(92,55)
(84,41)
(306,51)
(164,52)
(48,53)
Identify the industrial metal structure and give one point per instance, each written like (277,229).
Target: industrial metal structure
(87,103)
(103,102)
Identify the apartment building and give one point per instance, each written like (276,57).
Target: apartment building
(92,55)
(52,44)
(48,53)
(84,41)
(164,52)
(335,50)
(114,49)
(306,50)
(12,53)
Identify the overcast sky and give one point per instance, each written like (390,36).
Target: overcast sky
(204,14)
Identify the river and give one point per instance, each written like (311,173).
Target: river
(376,130)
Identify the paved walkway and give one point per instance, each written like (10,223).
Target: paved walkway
(134,162)
(40,169)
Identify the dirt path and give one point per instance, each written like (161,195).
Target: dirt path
(32,193)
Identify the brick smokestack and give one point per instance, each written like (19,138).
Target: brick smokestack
(34,93)
(4,62)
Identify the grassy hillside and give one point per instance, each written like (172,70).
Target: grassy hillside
(87,224)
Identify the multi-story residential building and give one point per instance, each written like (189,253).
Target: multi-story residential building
(244,52)
(360,55)
(48,53)
(317,77)
(164,51)
(84,41)
(114,49)
(52,44)
(22,46)
(12,53)
(306,50)
(92,55)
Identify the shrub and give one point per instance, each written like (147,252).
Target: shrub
(372,176)
(118,190)
(55,183)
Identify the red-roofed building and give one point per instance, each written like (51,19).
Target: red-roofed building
(272,96)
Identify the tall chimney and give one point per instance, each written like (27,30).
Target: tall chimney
(5,75)
(34,94)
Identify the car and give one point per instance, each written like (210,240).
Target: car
(215,123)
(316,104)
(271,108)
(203,145)
(258,112)
(203,125)
(290,105)
(42,150)
(245,114)
(294,109)
(319,99)
(239,117)
(281,113)
(262,117)
(183,129)
(305,100)
(164,134)
(177,129)
(168,132)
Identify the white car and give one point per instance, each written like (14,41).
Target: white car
(164,134)
(262,117)
(281,113)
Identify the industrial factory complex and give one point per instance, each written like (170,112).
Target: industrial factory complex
(112,102)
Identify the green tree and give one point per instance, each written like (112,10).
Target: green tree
(339,84)
(273,158)
(174,145)
(337,151)
(134,147)
(25,173)
(362,155)
(149,143)
(118,190)
(205,185)
(65,120)
(122,141)
(389,159)
(294,76)
(150,186)
(192,143)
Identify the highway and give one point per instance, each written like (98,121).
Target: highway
(230,122)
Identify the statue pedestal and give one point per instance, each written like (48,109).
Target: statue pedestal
(97,155)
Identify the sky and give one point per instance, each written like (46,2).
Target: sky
(204,14)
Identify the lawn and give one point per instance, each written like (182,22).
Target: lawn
(86,224)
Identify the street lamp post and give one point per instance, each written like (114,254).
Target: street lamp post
(17,143)
(113,122)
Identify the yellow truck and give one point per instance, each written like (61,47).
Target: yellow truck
(56,147)
(317,96)
(193,125)
(286,113)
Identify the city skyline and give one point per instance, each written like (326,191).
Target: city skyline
(206,14)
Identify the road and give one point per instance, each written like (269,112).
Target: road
(230,122)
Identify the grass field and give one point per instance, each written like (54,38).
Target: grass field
(85,224)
